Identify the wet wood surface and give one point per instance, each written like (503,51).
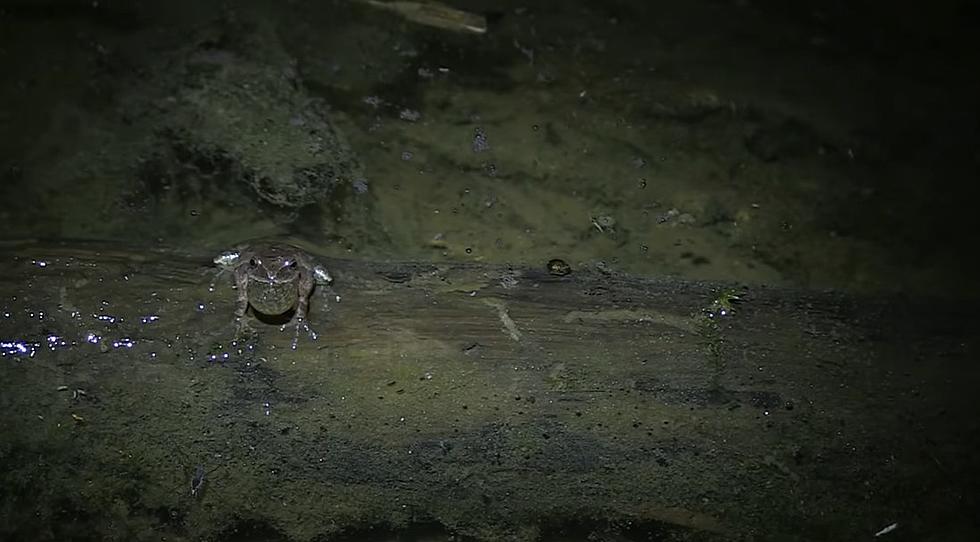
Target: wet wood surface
(493,401)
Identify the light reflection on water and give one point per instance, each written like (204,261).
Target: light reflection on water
(17,348)
(28,348)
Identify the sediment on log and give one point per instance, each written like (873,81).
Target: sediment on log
(496,402)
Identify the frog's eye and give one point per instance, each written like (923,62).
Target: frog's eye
(292,264)
(253,262)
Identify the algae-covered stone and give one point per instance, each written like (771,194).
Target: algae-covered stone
(258,114)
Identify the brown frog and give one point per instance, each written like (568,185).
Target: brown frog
(274,279)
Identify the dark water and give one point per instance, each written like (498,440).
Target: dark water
(808,147)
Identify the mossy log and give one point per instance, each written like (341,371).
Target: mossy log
(494,402)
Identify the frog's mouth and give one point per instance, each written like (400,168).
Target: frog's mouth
(276,279)
(272,280)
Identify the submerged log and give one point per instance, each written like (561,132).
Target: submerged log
(495,402)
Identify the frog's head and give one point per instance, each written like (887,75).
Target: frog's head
(273,269)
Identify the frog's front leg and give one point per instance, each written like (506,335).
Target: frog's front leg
(305,287)
(241,284)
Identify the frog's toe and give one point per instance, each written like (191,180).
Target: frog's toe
(302,324)
(243,330)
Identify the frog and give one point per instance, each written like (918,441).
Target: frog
(275,279)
